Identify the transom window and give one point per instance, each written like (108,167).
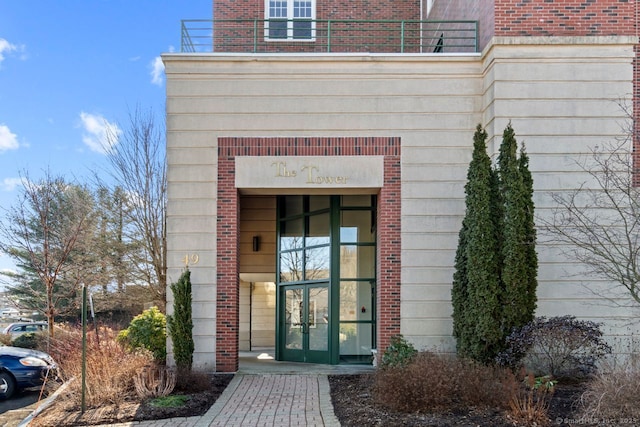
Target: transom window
(290,19)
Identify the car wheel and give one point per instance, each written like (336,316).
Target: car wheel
(7,385)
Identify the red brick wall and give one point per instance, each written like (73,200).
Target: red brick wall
(234,37)
(389,261)
(336,9)
(564,17)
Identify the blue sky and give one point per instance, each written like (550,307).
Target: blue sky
(70,68)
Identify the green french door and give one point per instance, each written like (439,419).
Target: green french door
(306,323)
(326,275)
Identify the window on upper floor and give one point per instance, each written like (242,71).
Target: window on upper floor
(290,19)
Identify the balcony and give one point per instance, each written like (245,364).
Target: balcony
(328,36)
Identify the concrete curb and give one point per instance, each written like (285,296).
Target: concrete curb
(45,404)
(326,408)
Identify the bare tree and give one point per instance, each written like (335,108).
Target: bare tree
(138,166)
(43,232)
(599,223)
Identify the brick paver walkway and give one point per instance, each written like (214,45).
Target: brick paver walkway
(275,400)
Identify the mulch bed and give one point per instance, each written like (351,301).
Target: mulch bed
(355,406)
(196,405)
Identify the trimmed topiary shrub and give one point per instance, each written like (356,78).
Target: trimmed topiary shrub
(147,330)
(562,347)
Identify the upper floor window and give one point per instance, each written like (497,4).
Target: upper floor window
(290,19)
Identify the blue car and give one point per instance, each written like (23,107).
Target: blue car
(23,368)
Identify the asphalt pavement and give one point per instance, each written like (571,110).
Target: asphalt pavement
(16,409)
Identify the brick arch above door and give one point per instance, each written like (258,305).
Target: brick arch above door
(389,243)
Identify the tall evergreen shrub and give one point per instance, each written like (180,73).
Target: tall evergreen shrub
(494,282)
(519,296)
(530,233)
(180,324)
(477,279)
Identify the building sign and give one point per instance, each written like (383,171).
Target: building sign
(309,172)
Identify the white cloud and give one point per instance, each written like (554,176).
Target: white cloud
(9,184)
(8,140)
(8,48)
(157,71)
(99,134)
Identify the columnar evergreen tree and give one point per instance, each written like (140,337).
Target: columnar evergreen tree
(180,324)
(530,235)
(494,283)
(477,305)
(518,298)
(462,324)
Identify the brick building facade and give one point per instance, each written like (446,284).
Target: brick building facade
(345,128)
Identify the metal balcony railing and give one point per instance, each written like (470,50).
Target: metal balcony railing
(328,36)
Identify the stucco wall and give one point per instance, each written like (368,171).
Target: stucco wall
(558,94)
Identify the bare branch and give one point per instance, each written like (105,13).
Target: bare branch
(598,224)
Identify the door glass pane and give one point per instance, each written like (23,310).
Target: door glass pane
(318,318)
(355,301)
(357,262)
(317,203)
(291,233)
(277,28)
(301,29)
(318,230)
(291,266)
(278,9)
(352,201)
(302,9)
(293,319)
(355,339)
(356,227)
(291,206)
(318,263)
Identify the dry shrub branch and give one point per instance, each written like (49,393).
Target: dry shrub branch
(110,367)
(434,382)
(612,394)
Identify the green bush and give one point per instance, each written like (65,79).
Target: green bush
(27,340)
(399,353)
(147,330)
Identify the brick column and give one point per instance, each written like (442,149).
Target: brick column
(228,285)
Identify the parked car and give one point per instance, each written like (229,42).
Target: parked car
(22,368)
(19,328)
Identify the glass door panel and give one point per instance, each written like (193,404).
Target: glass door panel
(294,312)
(306,323)
(318,318)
